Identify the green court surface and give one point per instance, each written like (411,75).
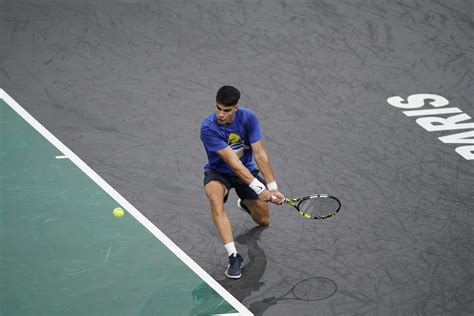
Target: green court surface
(63,252)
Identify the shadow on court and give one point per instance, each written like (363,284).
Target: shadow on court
(308,289)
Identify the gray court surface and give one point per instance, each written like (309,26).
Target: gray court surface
(125,85)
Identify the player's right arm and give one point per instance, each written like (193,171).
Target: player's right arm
(234,163)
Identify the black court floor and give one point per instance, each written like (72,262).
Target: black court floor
(370,101)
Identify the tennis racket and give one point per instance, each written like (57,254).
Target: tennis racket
(316,206)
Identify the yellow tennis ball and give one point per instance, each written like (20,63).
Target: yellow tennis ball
(118,212)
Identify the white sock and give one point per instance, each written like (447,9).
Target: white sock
(230,247)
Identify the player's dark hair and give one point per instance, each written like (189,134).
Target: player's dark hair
(227,96)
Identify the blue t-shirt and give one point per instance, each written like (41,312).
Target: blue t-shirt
(242,132)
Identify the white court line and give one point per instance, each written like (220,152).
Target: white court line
(126,205)
(61,157)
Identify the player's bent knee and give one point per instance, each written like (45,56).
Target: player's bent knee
(214,197)
(215,191)
(263,221)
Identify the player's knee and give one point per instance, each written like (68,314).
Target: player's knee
(263,220)
(214,191)
(216,201)
(213,196)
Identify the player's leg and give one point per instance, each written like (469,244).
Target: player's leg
(216,188)
(216,192)
(260,211)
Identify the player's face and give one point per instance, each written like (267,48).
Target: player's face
(225,114)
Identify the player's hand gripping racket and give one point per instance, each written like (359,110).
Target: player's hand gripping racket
(315,206)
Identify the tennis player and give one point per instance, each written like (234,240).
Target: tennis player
(232,140)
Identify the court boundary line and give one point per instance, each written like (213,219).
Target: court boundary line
(126,205)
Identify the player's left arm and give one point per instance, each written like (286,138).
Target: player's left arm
(263,162)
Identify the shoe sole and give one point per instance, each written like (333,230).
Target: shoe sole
(232,276)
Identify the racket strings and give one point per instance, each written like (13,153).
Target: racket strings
(318,207)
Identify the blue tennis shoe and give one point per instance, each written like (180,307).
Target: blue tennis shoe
(233,269)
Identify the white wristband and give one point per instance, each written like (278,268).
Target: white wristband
(257,186)
(272,186)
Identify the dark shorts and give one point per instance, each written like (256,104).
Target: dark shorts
(243,190)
